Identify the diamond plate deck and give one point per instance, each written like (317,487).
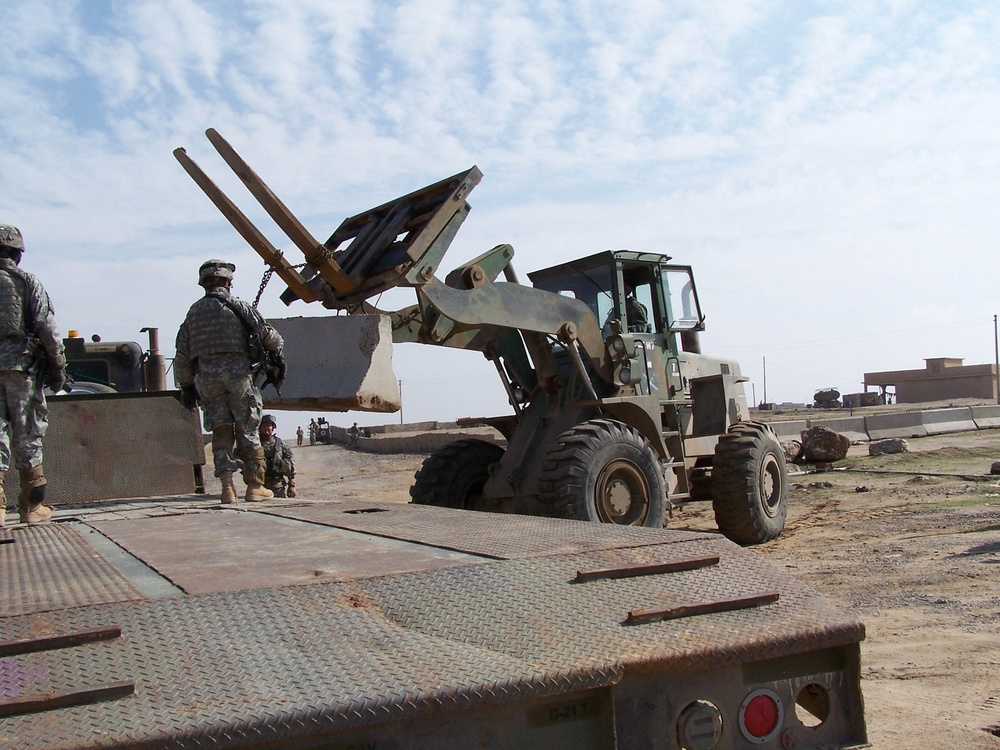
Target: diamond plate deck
(280,664)
(51,567)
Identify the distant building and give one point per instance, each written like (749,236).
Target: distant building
(942,378)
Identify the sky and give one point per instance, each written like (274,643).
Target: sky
(831,170)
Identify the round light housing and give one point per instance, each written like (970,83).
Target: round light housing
(699,727)
(761,716)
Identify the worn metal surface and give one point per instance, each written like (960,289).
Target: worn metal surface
(503,624)
(494,535)
(49,566)
(337,363)
(250,550)
(118,446)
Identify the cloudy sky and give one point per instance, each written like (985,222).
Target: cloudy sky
(830,169)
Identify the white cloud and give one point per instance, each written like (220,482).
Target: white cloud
(828,172)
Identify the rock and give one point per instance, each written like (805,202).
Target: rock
(887,446)
(792,450)
(823,444)
(995,468)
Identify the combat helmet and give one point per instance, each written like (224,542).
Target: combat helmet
(268,419)
(215,269)
(10,238)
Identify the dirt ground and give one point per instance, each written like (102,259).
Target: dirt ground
(909,542)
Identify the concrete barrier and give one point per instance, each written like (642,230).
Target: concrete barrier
(908,424)
(938,421)
(336,363)
(986,417)
(788,430)
(853,428)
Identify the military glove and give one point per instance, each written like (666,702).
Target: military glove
(291,489)
(189,396)
(55,379)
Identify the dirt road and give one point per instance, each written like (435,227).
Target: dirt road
(914,550)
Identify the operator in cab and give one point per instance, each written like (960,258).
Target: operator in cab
(214,368)
(31,357)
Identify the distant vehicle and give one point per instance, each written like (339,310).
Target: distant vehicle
(98,367)
(323,433)
(826,398)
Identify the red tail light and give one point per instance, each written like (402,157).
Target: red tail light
(761,716)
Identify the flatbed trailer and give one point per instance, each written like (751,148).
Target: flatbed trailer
(179,623)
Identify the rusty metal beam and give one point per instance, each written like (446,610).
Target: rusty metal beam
(643,616)
(27,704)
(254,237)
(676,566)
(314,251)
(66,640)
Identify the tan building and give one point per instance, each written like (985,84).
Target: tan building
(942,378)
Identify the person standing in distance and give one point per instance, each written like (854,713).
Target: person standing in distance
(31,356)
(213,367)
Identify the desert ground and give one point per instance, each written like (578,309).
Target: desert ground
(910,542)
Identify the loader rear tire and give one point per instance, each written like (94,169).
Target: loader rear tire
(749,485)
(604,471)
(454,476)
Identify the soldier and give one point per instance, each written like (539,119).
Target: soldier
(279,466)
(213,366)
(298,436)
(31,354)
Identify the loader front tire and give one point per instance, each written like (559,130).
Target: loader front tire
(604,471)
(749,485)
(454,476)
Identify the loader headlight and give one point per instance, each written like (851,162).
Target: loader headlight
(625,374)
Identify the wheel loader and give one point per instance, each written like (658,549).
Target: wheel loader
(616,415)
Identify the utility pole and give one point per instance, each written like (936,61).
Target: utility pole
(996,355)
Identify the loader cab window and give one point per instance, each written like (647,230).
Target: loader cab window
(592,287)
(637,290)
(683,310)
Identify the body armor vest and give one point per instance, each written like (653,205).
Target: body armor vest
(12,291)
(214,329)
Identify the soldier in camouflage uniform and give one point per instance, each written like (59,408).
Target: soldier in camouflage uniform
(213,367)
(31,354)
(279,465)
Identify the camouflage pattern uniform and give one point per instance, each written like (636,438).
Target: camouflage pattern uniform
(28,341)
(279,465)
(212,352)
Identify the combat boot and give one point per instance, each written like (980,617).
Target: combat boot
(228,488)
(30,503)
(253,475)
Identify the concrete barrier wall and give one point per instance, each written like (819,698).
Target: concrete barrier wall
(986,417)
(902,425)
(938,421)
(790,429)
(853,428)
(426,437)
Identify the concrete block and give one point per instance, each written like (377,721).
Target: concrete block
(789,429)
(905,425)
(986,417)
(958,419)
(336,363)
(853,428)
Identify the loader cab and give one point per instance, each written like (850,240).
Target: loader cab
(629,292)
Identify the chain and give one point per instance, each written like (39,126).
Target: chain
(269,273)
